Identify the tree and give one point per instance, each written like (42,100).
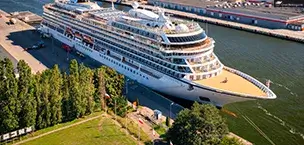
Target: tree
(99,95)
(114,82)
(200,125)
(74,90)
(55,95)
(66,99)
(230,141)
(121,105)
(42,96)
(27,115)
(10,105)
(87,90)
(37,95)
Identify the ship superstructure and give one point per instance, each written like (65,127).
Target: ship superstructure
(169,55)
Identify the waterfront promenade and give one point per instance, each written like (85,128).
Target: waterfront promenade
(16,51)
(297,36)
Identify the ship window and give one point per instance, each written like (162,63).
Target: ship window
(187,38)
(204,99)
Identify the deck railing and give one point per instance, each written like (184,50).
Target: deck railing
(265,89)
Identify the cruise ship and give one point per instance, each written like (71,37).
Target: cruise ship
(169,55)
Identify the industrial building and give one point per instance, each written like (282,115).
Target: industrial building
(253,13)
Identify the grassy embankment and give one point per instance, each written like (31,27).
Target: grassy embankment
(98,131)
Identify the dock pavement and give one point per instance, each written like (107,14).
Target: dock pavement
(16,51)
(297,36)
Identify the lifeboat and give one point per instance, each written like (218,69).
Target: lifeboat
(68,31)
(88,39)
(78,35)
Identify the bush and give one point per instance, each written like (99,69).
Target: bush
(160,130)
(230,141)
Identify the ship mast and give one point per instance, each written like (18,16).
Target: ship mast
(113,8)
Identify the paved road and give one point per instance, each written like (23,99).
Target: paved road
(62,128)
(151,99)
(50,55)
(5,54)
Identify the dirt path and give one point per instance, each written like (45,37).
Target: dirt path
(62,128)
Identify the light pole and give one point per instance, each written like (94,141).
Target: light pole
(127,81)
(138,134)
(170,112)
(52,43)
(115,109)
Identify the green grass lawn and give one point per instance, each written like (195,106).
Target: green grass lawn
(101,131)
(160,130)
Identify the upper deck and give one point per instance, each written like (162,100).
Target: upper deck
(205,45)
(234,83)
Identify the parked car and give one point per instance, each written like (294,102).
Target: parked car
(39,45)
(45,35)
(80,54)
(66,47)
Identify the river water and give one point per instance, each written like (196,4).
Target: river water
(263,122)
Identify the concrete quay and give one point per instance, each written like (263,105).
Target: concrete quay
(297,36)
(16,51)
(27,17)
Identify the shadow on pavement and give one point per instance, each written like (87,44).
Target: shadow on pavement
(52,53)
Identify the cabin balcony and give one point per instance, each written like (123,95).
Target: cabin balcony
(206,69)
(204,45)
(203,60)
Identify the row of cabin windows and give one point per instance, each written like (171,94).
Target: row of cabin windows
(199,77)
(146,62)
(207,68)
(117,40)
(70,36)
(139,53)
(187,38)
(97,47)
(137,58)
(58,29)
(135,30)
(151,52)
(143,55)
(183,54)
(178,61)
(123,66)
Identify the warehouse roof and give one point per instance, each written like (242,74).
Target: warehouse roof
(282,13)
(246,8)
(195,3)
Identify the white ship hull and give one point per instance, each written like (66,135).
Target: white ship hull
(165,84)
